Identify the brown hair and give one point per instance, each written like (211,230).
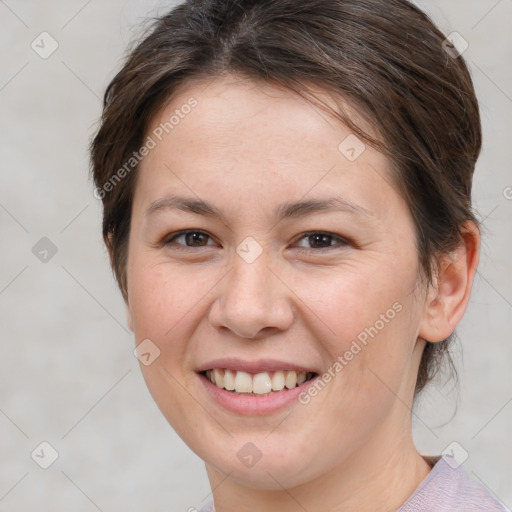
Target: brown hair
(385,58)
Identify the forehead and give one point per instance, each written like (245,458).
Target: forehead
(233,104)
(232,133)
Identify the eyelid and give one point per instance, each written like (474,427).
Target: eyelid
(342,242)
(172,236)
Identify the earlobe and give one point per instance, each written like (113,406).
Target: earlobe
(448,297)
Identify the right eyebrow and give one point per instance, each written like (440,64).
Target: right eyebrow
(186,204)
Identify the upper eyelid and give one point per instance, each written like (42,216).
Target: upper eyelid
(328,233)
(167,239)
(343,240)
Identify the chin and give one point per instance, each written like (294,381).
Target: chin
(263,464)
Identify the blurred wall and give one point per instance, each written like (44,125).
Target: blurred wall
(68,374)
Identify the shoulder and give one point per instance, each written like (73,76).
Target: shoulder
(448,488)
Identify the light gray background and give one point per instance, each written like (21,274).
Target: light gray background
(68,375)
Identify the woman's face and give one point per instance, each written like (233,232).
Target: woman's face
(300,254)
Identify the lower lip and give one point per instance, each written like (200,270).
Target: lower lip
(250,404)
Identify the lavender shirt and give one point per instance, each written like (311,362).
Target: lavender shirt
(447,488)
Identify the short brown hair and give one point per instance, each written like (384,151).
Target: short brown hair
(386,58)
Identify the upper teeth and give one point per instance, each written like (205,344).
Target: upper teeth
(259,383)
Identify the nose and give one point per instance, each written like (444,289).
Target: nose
(252,301)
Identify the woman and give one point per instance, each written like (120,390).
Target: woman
(287,207)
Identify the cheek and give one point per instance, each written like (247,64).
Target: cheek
(163,301)
(350,300)
(368,324)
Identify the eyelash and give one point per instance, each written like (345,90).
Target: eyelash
(342,242)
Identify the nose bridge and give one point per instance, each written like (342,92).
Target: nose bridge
(250,278)
(251,299)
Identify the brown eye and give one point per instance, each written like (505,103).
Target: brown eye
(189,238)
(321,240)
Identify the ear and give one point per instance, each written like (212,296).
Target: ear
(448,297)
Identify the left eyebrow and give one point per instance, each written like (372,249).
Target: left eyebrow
(287,210)
(303,208)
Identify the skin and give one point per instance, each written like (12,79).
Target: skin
(247,148)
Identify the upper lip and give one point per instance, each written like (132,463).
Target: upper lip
(261,365)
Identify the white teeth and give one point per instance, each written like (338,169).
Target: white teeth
(259,384)
(219,378)
(290,380)
(229,380)
(243,382)
(278,381)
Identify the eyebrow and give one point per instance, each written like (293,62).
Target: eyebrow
(287,210)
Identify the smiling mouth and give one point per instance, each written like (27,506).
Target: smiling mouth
(257,384)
